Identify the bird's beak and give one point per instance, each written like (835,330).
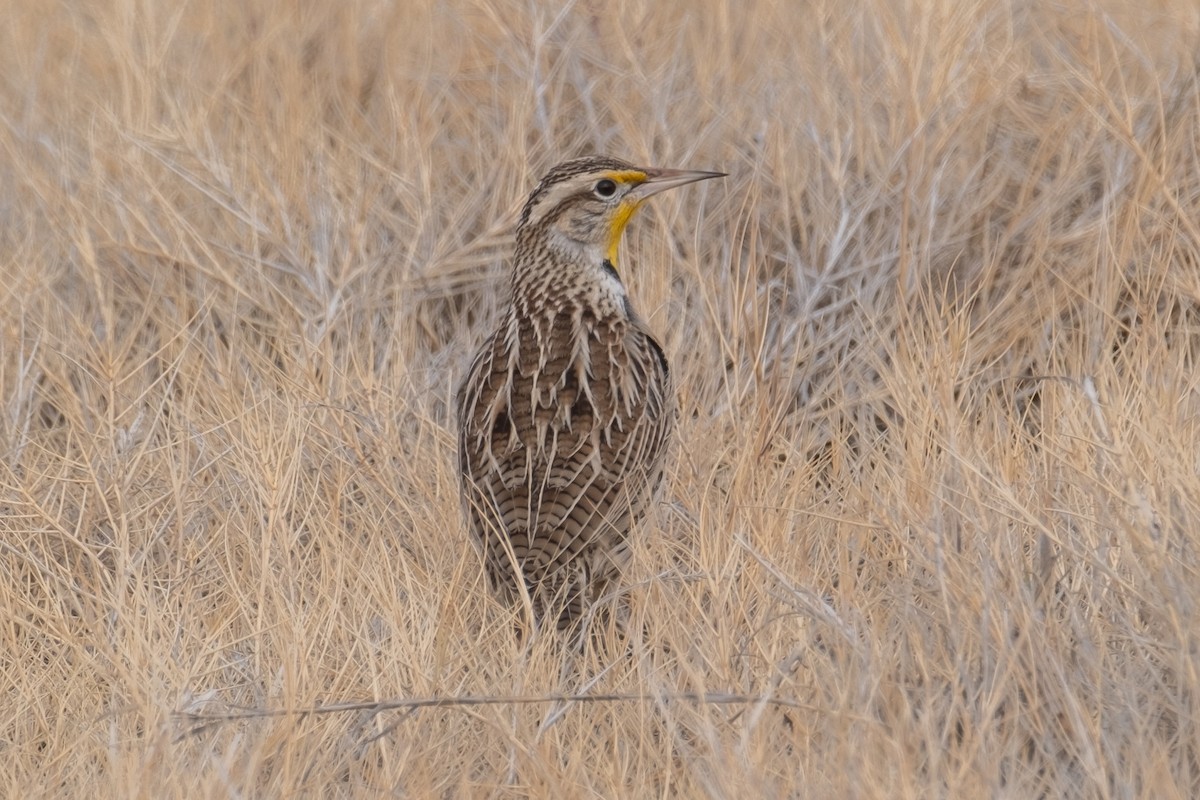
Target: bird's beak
(659,180)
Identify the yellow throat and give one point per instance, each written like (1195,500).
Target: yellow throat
(621,218)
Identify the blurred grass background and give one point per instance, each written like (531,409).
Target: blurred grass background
(936,491)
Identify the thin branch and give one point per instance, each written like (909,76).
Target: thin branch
(201,722)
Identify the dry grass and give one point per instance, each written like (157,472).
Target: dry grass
(936,495)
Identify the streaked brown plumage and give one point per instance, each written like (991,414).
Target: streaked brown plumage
(567,409)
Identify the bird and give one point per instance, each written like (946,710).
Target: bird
(567,409)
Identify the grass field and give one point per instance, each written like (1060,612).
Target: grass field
(932,516)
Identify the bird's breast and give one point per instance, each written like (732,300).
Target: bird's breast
(571,380)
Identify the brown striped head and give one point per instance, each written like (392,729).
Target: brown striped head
(581,207)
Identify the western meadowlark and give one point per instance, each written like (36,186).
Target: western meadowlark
(566,410)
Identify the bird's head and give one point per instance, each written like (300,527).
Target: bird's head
(582,206)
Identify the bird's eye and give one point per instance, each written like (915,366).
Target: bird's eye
(605,188)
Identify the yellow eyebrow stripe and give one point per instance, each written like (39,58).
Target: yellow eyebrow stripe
(626,175)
